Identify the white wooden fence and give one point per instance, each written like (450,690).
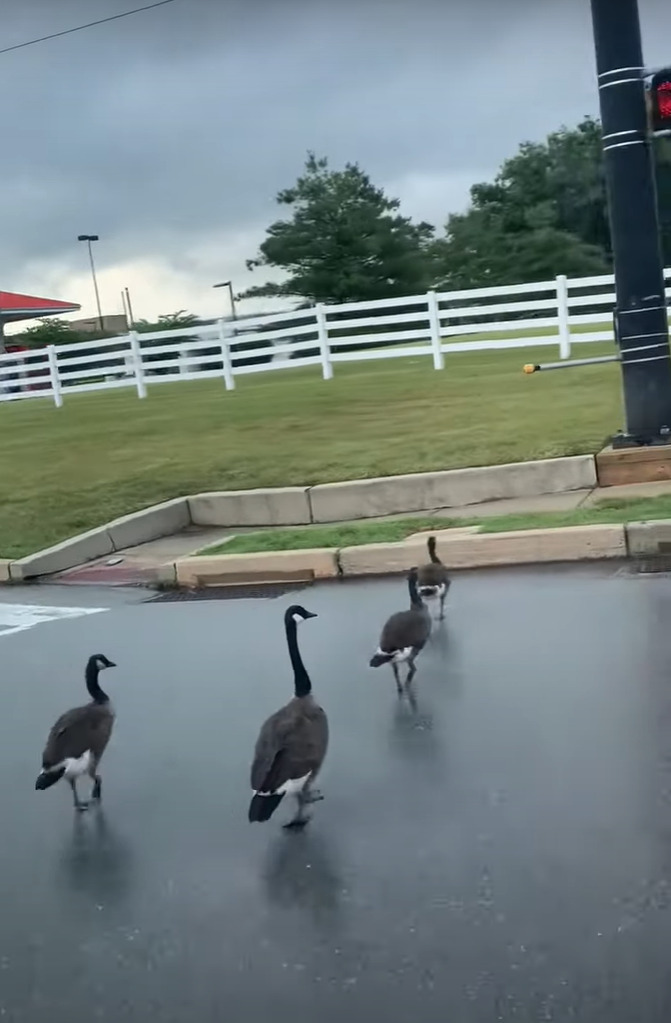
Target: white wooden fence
(558,313)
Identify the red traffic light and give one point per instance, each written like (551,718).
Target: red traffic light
(660,100)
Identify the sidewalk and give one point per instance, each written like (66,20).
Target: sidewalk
(139,565)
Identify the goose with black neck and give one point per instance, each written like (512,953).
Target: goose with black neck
(404,636)
(79,737)
(433,580)
(292,743)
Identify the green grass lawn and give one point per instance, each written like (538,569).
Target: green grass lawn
(108,453)
(352,534)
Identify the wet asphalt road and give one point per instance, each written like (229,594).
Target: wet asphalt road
(502,854)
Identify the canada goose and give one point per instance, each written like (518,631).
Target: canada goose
(78,739)
(432,579)
(292,743)
(404,635)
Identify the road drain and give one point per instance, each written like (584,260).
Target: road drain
(656,565)
(268,591)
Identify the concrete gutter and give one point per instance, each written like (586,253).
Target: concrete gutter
(329,502)
(148,524)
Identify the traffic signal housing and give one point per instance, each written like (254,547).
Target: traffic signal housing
(659,98)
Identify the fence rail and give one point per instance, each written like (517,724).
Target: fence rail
(561,313)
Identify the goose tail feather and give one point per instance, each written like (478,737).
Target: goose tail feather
(263,806)
(379,658)
(46,779)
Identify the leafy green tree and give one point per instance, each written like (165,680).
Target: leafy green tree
(478,251)
(564,176)
(49,331)
(345,241)
(544,214)
(167,321)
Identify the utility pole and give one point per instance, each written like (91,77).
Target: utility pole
(641,324)
(88,238)
(130,308)
(231,296)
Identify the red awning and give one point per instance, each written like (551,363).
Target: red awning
(15,307)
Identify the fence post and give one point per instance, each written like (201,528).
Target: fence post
(563,318)
(323,335)
(136,360)
(52,361)
(229,379)
(434,325)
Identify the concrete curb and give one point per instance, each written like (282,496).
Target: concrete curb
(4,570)
(649,538)
(288,506)
(460,549)
(94,544)
(150,524)
(392,495)
(270,567)
(329,502)
(483,550)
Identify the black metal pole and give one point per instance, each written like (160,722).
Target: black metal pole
(130,308)
(101,323)
(642,331)
(232,299)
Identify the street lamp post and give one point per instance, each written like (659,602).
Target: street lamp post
(229,285)
(130,308)
(88,238)
(642,332)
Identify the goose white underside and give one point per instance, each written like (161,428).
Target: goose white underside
(75,767)
(290,788)
(398,656)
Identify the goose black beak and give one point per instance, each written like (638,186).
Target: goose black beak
(311,614)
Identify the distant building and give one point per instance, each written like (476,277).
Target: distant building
(111,324)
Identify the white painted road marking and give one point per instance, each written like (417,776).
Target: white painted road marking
(19,617)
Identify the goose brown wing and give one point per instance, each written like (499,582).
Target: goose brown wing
(291,744)
(403,629)
(77,731)
(432,574)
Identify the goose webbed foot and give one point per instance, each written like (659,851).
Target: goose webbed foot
(301,818)
(297,823)
(397,677)
(96,794)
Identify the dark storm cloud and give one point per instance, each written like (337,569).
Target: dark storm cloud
(183,122)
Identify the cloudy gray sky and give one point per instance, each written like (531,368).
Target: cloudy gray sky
(168,133)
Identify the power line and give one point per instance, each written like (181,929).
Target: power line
(90,24)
